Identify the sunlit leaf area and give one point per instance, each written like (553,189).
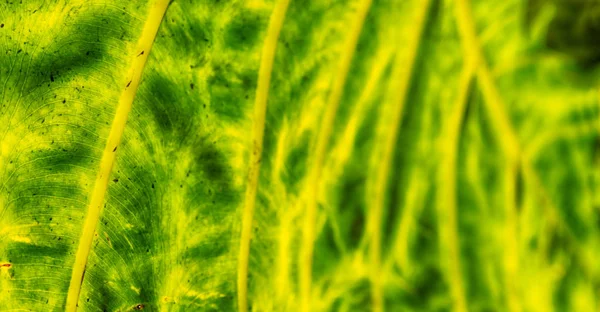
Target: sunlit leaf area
(300,155)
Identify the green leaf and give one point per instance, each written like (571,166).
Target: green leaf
(282,155)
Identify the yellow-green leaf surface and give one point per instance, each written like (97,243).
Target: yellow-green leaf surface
(286,155)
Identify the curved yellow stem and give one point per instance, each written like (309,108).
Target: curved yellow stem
(260,108)
(108,157)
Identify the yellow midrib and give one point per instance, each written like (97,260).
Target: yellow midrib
(399,84)
(145,42)
(260,108)
(317,158)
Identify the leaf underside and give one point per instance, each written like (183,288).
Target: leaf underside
(408,155)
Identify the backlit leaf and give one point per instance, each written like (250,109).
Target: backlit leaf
(315,155)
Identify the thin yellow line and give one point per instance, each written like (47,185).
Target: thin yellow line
(500,121)
(411,207)
(446,201)
(260,108)
(507,137)
(108,158)
(398,87)
(342,150)
(317,159)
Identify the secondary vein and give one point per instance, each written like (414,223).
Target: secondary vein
(508,140)
(317,158)
(398,88)
(494,103)
(447,201)
(145,42)
(260,108)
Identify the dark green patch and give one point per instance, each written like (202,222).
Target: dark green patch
(23,253)
(78,50)
(210,160)
(64,157)
(167,108)
(574,29)
(243,30)
(295,163)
